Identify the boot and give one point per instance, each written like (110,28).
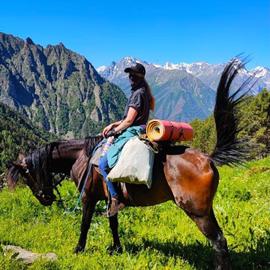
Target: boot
(115,207)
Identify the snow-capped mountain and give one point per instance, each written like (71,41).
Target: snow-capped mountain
(179,95)
(210,74)
(183,91)
(263,75)
(207,73)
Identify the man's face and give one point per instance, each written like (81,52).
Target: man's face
(134,80)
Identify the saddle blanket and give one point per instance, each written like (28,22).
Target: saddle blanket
(135,164)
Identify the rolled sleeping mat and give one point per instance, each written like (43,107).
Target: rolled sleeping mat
(164,130)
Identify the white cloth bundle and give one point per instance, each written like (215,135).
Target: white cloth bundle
(135,164)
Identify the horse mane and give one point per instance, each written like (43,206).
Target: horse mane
(90,143)
(38,162)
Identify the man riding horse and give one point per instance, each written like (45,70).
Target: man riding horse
(183,175)
(136,115)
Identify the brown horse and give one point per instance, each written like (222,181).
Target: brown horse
(183,175)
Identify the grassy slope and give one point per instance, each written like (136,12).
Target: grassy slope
(160,237)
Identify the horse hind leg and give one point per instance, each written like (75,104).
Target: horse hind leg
(208,225)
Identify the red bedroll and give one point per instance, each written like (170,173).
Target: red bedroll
(164,130)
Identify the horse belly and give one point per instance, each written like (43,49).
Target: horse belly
(140,195)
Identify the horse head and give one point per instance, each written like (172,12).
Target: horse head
(35,170)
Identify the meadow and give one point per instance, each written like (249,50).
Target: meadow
(159,237)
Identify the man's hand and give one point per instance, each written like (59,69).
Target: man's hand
(110,133)
(106,130)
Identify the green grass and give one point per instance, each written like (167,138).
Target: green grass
(160,237)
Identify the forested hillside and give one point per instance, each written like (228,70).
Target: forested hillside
(255,126)
(17,133)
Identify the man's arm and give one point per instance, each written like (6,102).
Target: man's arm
(110,127)
(127,122)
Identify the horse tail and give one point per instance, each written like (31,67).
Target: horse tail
(230,149)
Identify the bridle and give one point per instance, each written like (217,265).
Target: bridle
(44,182)
(45,190)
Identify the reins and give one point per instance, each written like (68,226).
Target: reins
(85,177)
(55,187)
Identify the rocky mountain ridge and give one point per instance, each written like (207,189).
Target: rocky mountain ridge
(56,88)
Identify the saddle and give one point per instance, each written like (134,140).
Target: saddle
(136,160)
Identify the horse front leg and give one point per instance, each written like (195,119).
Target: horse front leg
(208,225)
(116,247)
(89,205)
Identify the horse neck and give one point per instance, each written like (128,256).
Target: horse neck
(65,154)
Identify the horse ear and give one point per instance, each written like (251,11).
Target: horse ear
(14,170)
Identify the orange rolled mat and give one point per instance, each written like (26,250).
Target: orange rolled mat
(163,130)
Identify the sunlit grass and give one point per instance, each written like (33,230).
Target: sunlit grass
(160,237)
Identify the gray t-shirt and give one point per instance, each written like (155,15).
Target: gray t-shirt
(140,101)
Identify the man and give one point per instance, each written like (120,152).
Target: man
(136,115)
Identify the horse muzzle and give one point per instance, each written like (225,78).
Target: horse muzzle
(46,199)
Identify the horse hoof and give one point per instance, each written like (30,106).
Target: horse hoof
(79,249)
(114,250)
(223,263)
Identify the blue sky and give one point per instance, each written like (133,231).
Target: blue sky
(155,31)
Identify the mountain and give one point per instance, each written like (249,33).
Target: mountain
(56,88)
(179,95)
(183,91)
(210,74)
